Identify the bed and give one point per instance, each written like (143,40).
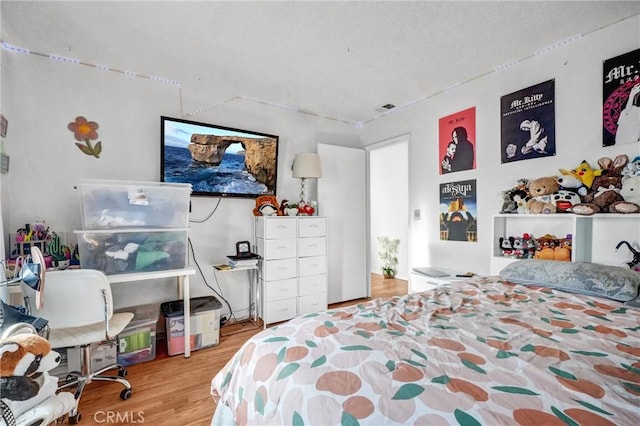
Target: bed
(498,350)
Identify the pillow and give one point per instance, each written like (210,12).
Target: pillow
(592,279)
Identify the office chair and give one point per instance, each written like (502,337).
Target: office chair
(78,305)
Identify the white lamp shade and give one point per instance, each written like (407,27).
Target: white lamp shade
(307,165)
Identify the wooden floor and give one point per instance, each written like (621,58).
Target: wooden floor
(175,390)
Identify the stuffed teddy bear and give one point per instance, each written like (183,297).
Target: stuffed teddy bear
(546,247)
(25,383)
(541,190)
(562,250)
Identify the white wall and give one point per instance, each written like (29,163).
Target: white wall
(577,70)
(40,97)
(389,200)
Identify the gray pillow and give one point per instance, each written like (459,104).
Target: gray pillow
(592,279)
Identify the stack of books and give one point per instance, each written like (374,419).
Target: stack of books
(244,261)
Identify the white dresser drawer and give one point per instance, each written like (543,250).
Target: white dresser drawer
(316,246)
(312,284)
(276,227)
(280,310)
(273,270)
(312,227)
(277,249)
(312,303)
(315,265)
(278,290)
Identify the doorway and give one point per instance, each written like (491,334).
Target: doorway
(388,208)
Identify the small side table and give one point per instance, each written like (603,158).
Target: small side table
(252,322)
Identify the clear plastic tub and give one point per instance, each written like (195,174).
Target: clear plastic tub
(137,342)
(112,203)
(204,320)
(123,251)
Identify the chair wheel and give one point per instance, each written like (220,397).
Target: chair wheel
(74,420)
(125,394)
(122,372)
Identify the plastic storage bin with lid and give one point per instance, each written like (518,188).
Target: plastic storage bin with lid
(121,251)
(205,323)
(137,342)
(113,203)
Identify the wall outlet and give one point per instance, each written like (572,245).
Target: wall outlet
(416,214)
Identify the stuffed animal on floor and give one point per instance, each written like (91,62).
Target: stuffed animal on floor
(541,190)
(25,360)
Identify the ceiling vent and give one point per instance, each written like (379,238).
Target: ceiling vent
(385,107)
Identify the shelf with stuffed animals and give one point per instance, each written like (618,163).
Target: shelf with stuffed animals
(585,214)
(563,236)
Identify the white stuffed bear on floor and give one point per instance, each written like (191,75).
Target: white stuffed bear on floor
(27,389)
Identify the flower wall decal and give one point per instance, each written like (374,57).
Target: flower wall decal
(84,130)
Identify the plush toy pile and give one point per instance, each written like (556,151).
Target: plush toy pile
(28,391)
(613,187)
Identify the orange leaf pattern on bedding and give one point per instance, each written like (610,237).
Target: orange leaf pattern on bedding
(471,353)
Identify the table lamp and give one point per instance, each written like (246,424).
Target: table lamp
(306,165)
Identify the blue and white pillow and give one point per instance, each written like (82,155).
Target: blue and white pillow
(592,279)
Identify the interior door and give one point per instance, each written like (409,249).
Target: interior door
(342,200)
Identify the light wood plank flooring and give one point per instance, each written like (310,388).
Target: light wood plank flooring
(175,390)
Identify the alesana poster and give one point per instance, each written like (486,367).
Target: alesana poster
(621,99)
(457,141)
(527,125)
(458,211)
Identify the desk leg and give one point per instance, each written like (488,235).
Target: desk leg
(183,287)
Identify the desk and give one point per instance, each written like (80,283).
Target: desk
(182,276)
(253,296)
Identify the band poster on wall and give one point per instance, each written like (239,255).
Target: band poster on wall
(458,211)
(456,141)
(527,125)
(621,99)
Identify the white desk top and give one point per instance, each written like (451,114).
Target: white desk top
(139,276)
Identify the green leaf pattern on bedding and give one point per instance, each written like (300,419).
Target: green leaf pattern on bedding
(476,352)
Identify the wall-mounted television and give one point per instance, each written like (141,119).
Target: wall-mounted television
(216,160)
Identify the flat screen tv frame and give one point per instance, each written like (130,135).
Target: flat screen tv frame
(218,161)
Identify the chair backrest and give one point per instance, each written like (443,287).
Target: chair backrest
(74,298)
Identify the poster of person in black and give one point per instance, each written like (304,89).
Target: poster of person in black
(456,141)
(527,125)
(621,99)
(458,211)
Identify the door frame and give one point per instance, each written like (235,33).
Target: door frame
(404,138)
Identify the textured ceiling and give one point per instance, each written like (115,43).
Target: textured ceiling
(336,59)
